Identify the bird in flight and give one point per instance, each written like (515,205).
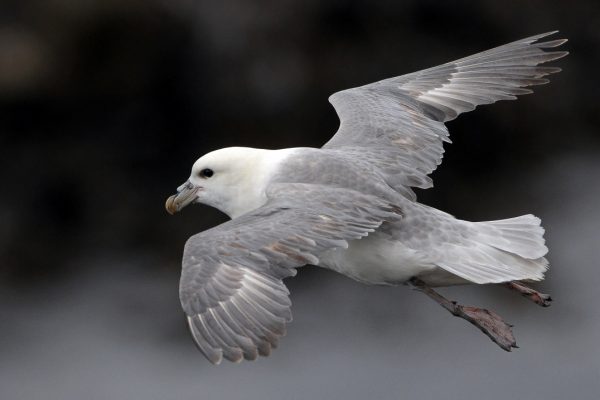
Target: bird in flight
(349,207)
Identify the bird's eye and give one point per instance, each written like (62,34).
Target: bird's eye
(206,173)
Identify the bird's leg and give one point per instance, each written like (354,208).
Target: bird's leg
(541,299)
(487,321)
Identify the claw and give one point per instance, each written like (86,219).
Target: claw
(541,299)
(487,321)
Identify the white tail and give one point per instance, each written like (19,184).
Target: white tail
(501,251)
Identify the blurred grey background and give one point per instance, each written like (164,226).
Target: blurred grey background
(105,104)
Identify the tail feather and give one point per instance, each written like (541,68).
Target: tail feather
(500,251)
(522,235)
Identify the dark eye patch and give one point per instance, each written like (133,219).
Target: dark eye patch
(207,173)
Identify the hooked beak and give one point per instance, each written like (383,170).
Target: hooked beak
(186,194)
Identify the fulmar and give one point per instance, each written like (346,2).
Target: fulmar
(349,207)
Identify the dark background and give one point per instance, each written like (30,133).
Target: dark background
(105,105)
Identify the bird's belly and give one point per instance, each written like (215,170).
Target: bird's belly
(377,260)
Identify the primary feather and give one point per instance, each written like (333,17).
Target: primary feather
(398,123)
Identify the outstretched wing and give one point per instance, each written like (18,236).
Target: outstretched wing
(231,284)
(398,124)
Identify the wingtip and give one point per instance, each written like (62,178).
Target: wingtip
(551,70)
(546,34)
(560,42)
(559,54)
(550,43)
(215,358)
(536,39)
(216,361)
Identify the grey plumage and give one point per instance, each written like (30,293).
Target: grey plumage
(319,201)
(398,123)
(231,286)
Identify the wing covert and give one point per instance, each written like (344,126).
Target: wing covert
(231,284)
(398,123)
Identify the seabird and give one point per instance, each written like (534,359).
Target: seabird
(349,207)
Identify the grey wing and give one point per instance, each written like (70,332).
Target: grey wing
(231,284)
(398,123)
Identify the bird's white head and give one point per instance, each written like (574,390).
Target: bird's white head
(232,180)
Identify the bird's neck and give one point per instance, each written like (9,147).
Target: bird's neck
(249,193)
